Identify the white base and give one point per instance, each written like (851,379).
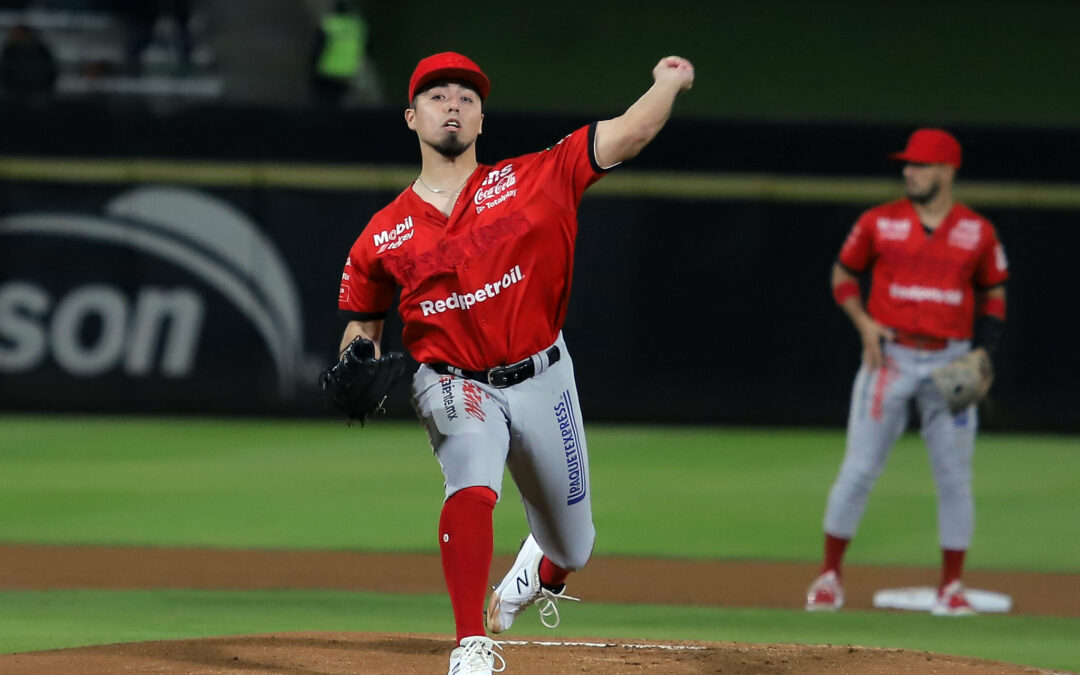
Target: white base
(921,599)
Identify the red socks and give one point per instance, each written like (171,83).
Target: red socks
(551,575)
(834,553)
(466,543)
(952,562)
(952,565)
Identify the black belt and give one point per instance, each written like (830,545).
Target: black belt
(501,377)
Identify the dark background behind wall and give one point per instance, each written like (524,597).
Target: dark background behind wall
(702,310)
(705,308)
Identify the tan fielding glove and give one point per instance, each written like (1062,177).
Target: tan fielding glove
(964,381)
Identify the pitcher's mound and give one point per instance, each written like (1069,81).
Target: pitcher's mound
(351,653)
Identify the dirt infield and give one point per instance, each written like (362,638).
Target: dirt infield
(341,653)
(610,579)
(621,580)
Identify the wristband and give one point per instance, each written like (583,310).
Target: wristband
(994,307)
(844,290)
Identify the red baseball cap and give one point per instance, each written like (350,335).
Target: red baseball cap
(931,146)
(448,66)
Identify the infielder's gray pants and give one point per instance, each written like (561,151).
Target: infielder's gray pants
(879,414)
(535,429)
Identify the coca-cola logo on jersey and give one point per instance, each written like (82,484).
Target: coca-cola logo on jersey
(496,188)
(966,234)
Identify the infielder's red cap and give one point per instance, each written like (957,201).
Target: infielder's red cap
(931,146)
(448,66)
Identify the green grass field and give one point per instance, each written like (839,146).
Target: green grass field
(672,492)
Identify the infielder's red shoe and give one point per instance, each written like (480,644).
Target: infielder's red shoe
(825,594)
(521,588)
(476,656)
(951,601)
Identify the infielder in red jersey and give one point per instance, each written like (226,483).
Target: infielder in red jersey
(937,292)
(483,256)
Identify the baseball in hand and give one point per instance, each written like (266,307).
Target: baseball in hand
(675,69)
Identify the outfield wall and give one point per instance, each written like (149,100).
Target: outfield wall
(189,262)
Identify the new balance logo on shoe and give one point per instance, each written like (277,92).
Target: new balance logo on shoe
(521,588)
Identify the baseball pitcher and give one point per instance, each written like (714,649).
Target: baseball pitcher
(484,255)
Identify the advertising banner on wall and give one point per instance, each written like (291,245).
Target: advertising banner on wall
(162,298)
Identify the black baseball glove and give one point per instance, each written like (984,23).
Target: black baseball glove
(359,383)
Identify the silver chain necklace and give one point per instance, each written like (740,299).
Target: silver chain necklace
(440,191)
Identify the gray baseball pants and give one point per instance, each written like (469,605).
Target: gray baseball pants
(535,429)
(879,414)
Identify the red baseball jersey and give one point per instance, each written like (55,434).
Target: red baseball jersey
(925,283)
(490,284)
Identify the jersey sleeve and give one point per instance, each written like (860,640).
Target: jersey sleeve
(992,268)
(571,164)
(366,289)
(859,249)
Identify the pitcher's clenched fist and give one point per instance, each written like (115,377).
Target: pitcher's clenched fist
(676,70)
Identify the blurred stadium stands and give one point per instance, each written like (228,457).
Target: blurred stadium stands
(175,51)
(102,50)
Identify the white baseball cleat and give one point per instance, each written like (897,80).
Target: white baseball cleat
(825,594)
(951,601)
(476,656)
(521,588)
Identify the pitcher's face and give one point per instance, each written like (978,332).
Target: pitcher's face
(447,117)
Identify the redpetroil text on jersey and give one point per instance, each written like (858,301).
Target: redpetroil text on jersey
(925,294)
(466,301)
